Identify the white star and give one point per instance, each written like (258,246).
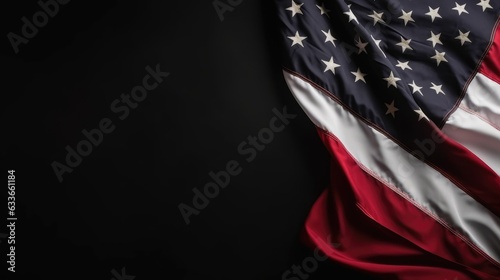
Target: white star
(330,65)
(377,17)
(463,37)
(421,114)
(435,39)
(329,37)
(437,88)
(377,42)
(360,76)
(297,39)
(406,17)
(433,13)
(351,15)
(391,80)
(323,10)
(460,8)
(361,46)
(404,44)
(391,109)
(485,4)
(295,8)
(415,88)
(403,65)
(439,57)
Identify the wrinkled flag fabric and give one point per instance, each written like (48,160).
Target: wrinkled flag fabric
(405,95)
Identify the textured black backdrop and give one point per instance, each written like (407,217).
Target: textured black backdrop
(119,207)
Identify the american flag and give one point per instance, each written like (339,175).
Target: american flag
(405,95)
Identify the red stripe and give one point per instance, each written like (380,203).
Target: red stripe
(491,63)
(464,169)
(382,233)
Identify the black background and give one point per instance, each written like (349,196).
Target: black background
(119,207)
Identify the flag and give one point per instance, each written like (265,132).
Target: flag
(405,95)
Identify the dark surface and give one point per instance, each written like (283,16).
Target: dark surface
(119,206)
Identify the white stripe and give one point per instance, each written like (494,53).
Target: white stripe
(394,166)
(483,96)
(476,123)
